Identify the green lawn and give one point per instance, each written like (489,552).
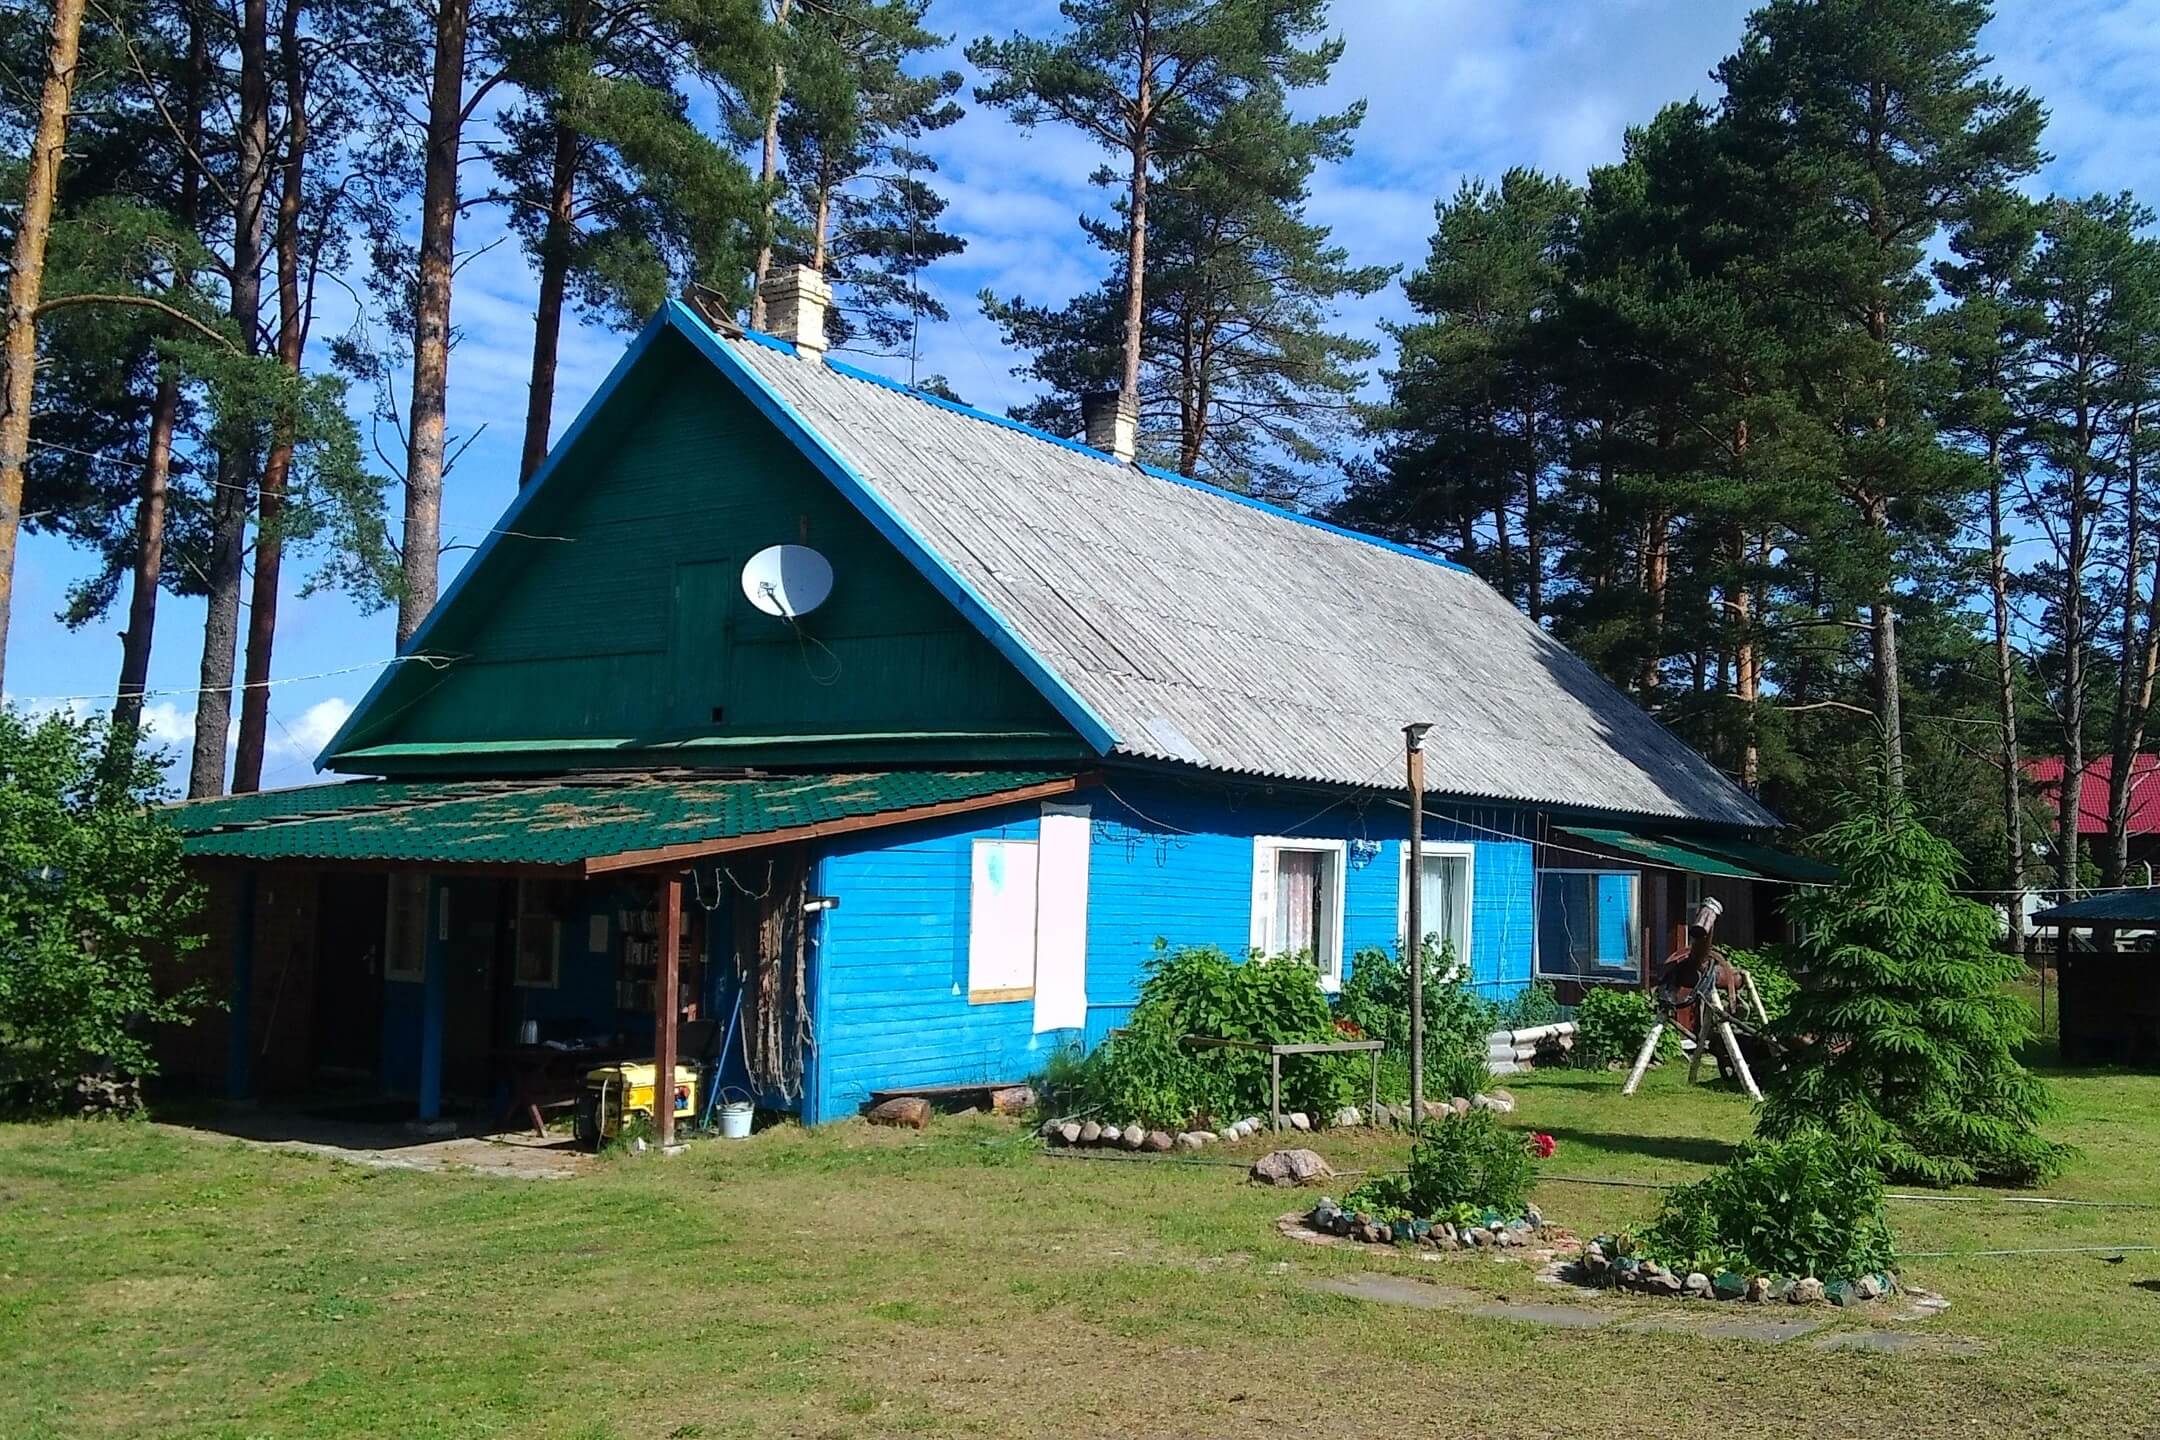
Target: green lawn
(851,1281)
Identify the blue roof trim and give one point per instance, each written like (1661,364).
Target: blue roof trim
(889,523)
(527,494)
(1003,422)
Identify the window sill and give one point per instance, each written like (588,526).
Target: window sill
(1001,997)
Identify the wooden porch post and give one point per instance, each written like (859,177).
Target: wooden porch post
(240,1036)
(434,1001)
(664,1009)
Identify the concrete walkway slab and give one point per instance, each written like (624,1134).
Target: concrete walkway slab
(1395,1290)
(1559,1317)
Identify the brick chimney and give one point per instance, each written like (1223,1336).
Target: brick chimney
(796,298)
(1113,423)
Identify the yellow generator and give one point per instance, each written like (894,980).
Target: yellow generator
(615,1093)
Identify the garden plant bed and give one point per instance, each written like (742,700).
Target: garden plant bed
(1070,1131)
(1523,1237)
(1598,1269)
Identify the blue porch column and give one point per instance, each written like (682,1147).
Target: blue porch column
(240,1030)
(434,992)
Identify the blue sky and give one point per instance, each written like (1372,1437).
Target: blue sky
(1453,88)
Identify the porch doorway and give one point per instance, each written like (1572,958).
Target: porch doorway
(352,912)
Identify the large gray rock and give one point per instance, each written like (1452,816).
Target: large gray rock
(1698,1285)
(1299,1120)
(1091,1132)
(1069,1133)
(1806,1292)
(1347,1116)
(1158,1141)
(1189,1140)
(1132,1137)
(1111,1135)
(1290,1167)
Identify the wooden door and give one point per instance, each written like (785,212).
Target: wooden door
(352,914)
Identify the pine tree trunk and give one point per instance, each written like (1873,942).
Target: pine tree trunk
(26,283)
(2133,675)
(149,568)
(428,416)
(1657,566)
(2006,699)
(548,312)
(277,470)
(1745,662)
(1533,521)
(153,490)
(1882,632)
(1139,142)
(2068,807)
(236,455)
(768,174)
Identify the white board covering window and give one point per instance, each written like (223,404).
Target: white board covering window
(1444,899)
(1001,921)
(1061,909)
(1298,901)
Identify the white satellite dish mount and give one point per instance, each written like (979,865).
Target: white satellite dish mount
(789,581)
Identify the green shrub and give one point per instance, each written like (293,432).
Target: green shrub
(92,892)
(1901,1037)
(1610,1024)
(1384,1197)
(1148,1074)
(1472,1160)
(1811,1205)
(1534,1005)
(1376,999)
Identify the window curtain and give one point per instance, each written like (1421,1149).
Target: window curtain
(1297,901)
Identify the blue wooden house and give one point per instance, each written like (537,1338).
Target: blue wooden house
(1056,707)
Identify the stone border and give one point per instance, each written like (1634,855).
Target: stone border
(1542,1246)
(1593,1269)
(1094,1133)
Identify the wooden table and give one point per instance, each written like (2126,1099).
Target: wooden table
(547,1077)
(1275,1055)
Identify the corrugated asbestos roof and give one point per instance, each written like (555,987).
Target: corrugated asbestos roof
(583,822)
(1208,629)
(2116,907)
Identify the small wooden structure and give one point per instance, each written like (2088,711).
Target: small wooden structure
(2109,1008)
(1275,1055)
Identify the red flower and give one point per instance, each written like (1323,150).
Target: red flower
(1541,1145)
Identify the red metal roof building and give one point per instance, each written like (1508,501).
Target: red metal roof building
(2046,776)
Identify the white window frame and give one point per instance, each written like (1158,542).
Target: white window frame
(407,969)
(526,915)
(1602,975)
(1450,849)
(1266,850)
(980,968)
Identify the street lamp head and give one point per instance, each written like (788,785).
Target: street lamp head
(1414,733)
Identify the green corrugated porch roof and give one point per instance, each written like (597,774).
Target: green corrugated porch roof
(587,824)
(1741,860)
(2116,907)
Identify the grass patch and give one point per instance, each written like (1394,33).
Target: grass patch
(855,1281)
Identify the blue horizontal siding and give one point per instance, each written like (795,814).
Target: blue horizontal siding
(892,1001)
(1168,862)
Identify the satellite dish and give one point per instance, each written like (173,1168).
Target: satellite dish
(787,580)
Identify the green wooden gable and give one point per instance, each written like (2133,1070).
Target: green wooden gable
(608,626)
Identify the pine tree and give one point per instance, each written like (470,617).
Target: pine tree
(1145,79)
(860,206)
(1866,128)
(1901,1037)
(1245,382)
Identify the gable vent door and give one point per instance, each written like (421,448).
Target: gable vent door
(699,631)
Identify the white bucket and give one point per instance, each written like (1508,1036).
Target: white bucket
(735,1119)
